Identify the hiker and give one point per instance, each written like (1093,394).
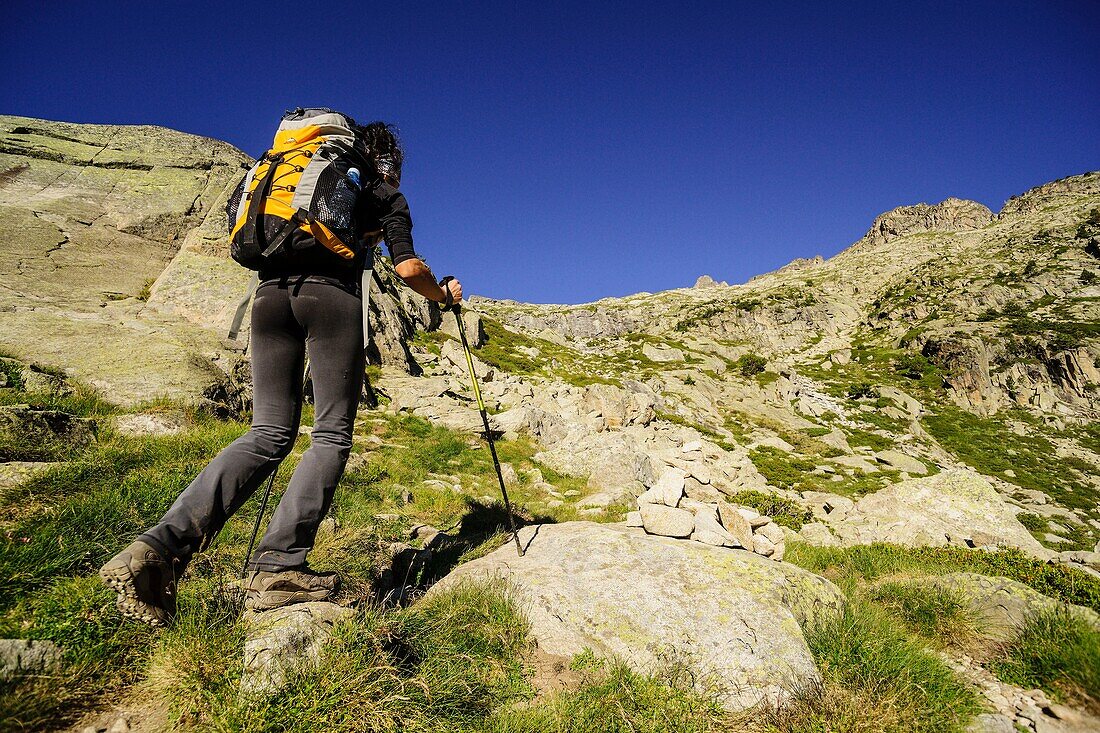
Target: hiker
(308,302)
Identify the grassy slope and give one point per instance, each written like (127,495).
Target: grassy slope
(456,663)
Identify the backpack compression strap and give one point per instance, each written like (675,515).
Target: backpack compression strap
(238,317)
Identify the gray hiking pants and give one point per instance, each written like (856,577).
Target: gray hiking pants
(289,319)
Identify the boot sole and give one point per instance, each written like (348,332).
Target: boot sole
(119,579)
(272,599)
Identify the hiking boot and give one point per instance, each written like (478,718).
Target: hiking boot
(145,582)
(265,590)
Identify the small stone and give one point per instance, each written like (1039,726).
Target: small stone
(422,531)
(991,723)
(761,545)
(387,517)
(571,493)
(710,532)
(670,487)
(666,521)
(119,726)
(90,729)
(28,656)
(633,519)
(692,447)
(406,497)
(772,531)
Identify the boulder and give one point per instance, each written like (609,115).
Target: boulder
(1002,604)
(28,433)
(954,507)
(901,462)
(669,488)
(26,656)
(609,459)
(666,521)
(150,423)
(475,331)
(772,531)
(661,354)
(737,617)
(284,641)
(816,533)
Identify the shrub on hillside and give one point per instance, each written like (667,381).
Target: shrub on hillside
(750,364)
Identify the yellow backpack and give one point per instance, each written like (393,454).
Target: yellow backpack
(309,180)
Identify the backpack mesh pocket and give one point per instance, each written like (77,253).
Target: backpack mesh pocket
(233,204)
(334,204)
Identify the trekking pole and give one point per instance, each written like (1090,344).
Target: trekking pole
(259,516)
(457,310)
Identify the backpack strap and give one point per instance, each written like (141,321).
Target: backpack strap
(238,317)
(368,270)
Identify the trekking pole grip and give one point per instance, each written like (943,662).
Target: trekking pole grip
(448,303)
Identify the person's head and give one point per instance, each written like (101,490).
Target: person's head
(384,149)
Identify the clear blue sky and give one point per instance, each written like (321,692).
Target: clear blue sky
(561,152)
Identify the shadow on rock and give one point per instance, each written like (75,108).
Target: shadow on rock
(412,570)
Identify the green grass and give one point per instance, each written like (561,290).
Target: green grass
(59,526)
(936,614)
(987,445)
(787,471)
(782,511)
(1077,536)
(444,664)
(612,699)
(1057,652)
(869,562)
(502,349)
(875,678)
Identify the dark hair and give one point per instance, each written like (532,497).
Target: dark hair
(382,141)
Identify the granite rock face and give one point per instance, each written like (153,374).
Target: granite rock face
(735,616)
(950,215)
(114,255)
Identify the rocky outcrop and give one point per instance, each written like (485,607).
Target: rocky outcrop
(734,617)
(91,214)
(950,215)
(1051,194)
(115,262)
(951,508)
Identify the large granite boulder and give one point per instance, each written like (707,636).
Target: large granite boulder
(736,617)
(951,508)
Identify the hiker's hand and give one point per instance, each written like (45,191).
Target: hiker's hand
(455,288)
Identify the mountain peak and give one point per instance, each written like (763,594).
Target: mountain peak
(950,215)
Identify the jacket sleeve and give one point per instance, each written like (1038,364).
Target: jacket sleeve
(396,220)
